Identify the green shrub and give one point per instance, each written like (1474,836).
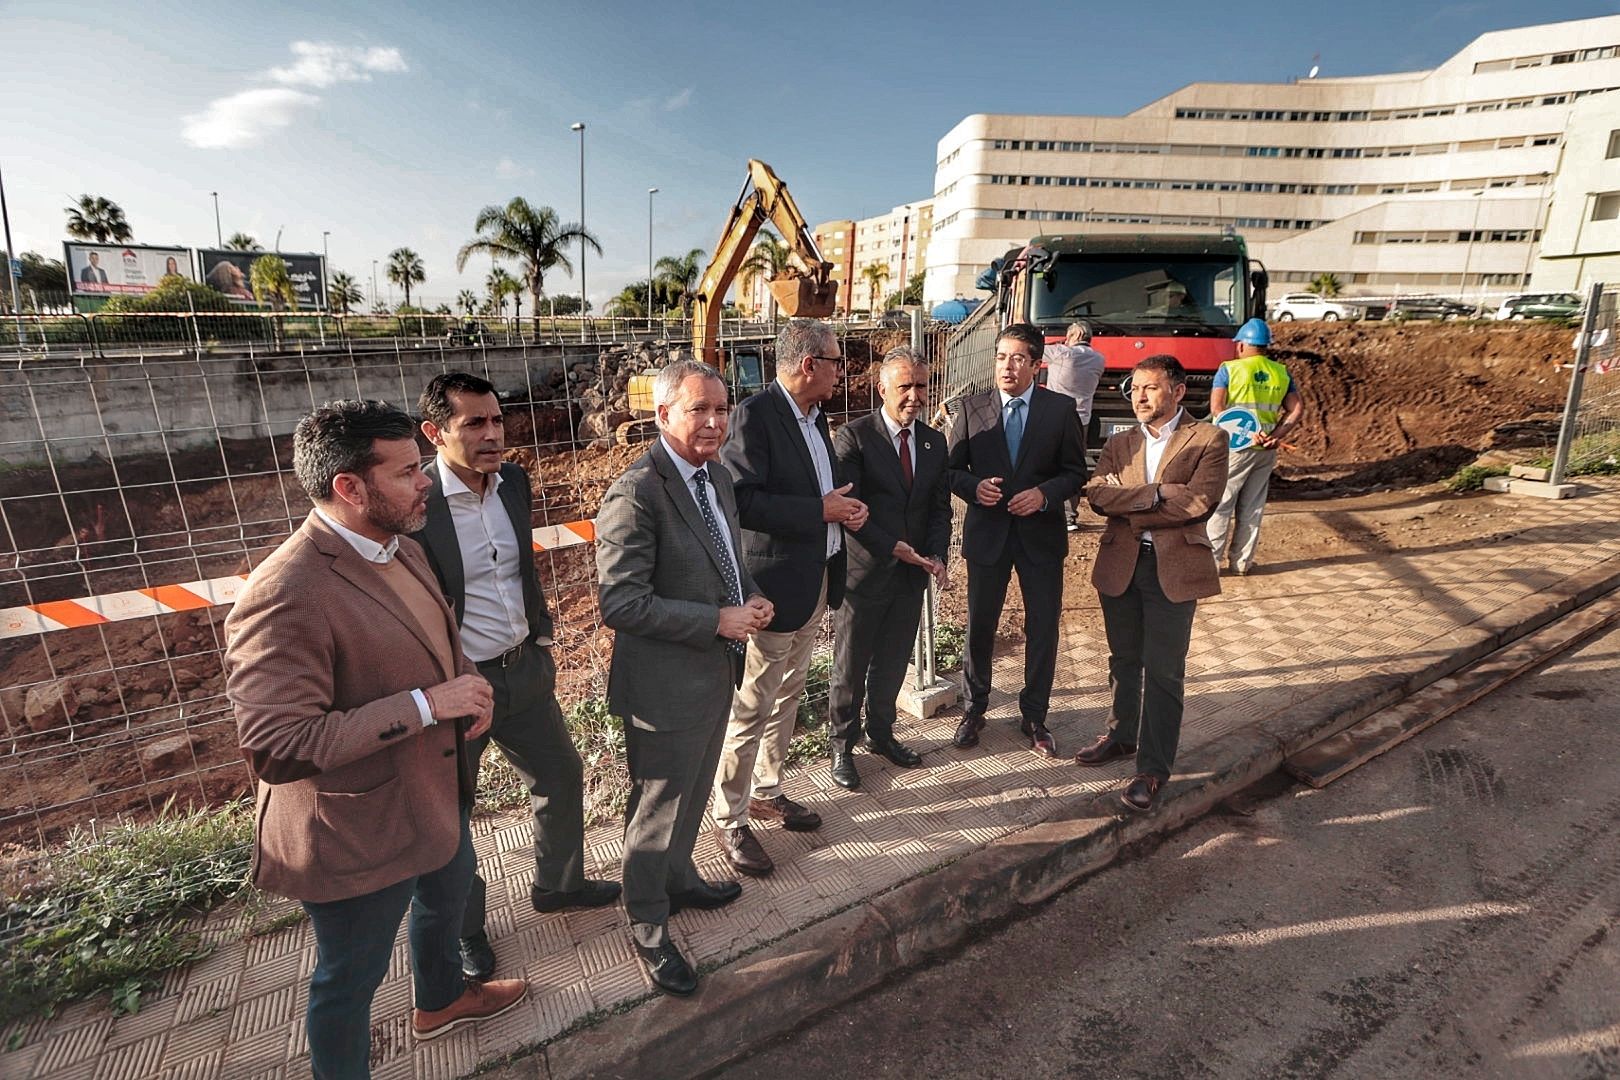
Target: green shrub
(1472,477)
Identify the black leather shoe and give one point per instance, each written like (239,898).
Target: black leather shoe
(669,970)
(1040,740)
(897,752)
(743,852)
(967,732)
(705,897)
(1105,749)
(477,958)
(844,773)
(593,894)
(1141,792)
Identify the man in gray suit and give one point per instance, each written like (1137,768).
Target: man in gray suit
(682,607)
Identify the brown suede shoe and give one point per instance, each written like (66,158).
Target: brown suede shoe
(478,1001)
(794,818)
(1105,749)
(743,852)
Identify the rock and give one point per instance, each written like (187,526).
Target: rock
(171,754)
(49,705)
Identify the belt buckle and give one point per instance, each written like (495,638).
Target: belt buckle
(509,657)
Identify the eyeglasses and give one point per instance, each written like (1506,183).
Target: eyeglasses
(839,360)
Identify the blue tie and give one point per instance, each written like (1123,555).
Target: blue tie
(1015,427)
(729,571)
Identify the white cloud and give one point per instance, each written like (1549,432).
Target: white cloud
(507,169)
(321,64)
(678,101)
(243,119)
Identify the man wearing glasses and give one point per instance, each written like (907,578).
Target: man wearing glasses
(793,512)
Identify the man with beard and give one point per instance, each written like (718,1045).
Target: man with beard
(353,705)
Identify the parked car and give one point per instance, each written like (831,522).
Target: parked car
(1311,306)
(1561,305)
(1429,307)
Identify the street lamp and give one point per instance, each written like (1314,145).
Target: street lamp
(1468,256)
(579,126)
(219,234)
(374,297)
(650,193)
(326,267)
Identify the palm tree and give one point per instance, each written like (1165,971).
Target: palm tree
(242,242)
(467,301)
(631,301)
(272,284)
(533,236)
(680,276)
(1324,285)
(499,285)
(405,269)
(874,274)
(343,292)
(769,258)
(98,219)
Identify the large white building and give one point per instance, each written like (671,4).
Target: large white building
(1580,242)
(1422,181)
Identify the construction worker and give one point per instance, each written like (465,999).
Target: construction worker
(1075,368)
(1255,401)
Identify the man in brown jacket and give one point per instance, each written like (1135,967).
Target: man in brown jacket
(353,702)
(1156,484)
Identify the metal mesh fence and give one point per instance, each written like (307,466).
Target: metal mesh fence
(1589,440)
(137,491)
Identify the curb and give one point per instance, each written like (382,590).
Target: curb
(770,992)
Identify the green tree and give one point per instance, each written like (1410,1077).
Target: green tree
(566,304)
(405,269)
(631,301)
(99,219)
(769,259)
(874,274)
(343,292)
(679,276)
(272,284)
(467,301)
(911,294)
(533,237)
(499,285)
(1324,285)
(242,242)
(42,281)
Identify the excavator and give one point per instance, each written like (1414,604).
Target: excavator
(804,290)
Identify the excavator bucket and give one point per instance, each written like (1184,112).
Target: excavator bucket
(801,298)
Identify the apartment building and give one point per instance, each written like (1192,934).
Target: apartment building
(1431,180)
(896,241)
(1580,243)
(836,239)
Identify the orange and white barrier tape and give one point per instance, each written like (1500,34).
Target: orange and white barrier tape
(193,595)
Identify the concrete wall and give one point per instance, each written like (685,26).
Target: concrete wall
(107,409)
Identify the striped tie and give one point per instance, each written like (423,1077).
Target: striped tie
(733,586)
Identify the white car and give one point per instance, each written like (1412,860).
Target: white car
(1310,306)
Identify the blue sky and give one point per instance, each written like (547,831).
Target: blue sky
(393,124)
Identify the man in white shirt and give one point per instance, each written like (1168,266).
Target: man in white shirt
(478,540)
(1075,368)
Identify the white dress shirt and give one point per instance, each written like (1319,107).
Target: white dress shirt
(493,619)
(894,436)
(1153,451)
(687,471)
(821,460)
(373,552)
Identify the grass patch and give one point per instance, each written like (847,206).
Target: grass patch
(1473,477)
(111,911)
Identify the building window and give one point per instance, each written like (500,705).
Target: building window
(1614,144)
(1606,207)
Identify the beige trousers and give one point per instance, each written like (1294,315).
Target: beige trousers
(763,713)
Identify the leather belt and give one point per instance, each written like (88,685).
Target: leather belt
(507,658)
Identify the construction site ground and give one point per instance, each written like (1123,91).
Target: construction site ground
(1358,599)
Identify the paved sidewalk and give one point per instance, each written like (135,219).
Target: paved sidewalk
(1278,648)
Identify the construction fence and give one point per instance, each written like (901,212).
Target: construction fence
(137,493)
(1589,438)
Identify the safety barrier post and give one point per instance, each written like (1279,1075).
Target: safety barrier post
(1572,404)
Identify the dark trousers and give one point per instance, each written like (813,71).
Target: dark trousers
(354,939)
(873,640)
(530,730)
(1041,584)
(671,773)
(1148,634)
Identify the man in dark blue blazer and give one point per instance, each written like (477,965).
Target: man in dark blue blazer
(897,466)
(1017,455)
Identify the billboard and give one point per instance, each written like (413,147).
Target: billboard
(231,273)
(121,269)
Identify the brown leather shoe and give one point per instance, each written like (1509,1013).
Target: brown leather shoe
(1141,792)
(743,851)
(1105,749)
(478,1001)
(794,817)
(967,732)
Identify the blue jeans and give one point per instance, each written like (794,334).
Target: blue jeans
(354,939)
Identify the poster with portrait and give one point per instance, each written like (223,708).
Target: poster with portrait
(121,269)
(231,272)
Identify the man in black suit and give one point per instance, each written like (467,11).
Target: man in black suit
(793,511)
(478,541)
(897,466)
(93,274)
(1016,455)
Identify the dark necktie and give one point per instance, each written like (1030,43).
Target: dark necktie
(1015,427)
(905,456)
(727,569)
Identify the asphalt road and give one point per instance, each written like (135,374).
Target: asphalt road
(1448,910)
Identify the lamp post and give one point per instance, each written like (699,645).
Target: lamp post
(219,233)
(650,193)
(1540,225)
(1468,256)
(12,259)
(374,296)
(579,126)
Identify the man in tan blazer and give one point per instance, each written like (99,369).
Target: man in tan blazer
(353,703)
(1156,484)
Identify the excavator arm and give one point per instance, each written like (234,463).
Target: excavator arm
(808,292)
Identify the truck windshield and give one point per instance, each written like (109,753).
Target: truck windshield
(1135,293)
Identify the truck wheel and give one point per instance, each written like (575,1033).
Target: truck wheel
(1330,316)
(1287,316)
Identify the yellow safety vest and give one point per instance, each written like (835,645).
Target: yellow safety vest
(1258,385)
